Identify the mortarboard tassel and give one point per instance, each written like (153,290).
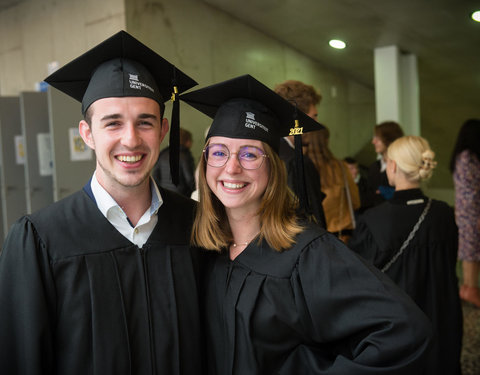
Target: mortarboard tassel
(175,137)
(301,190)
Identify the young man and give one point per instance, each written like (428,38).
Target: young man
(104,281)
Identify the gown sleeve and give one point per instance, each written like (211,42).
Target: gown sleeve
(27,307)
(359,322)
(363,244)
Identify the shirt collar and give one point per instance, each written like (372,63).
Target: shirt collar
(383,165)
(105,201)
(289,142)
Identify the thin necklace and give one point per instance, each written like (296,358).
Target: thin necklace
(240,244)
(234,244)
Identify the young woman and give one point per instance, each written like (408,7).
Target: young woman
(342,197)
(413,239)
(465,166)
(282,295)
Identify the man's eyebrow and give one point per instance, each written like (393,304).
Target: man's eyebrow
(113,116)
(116,116)
(147,116)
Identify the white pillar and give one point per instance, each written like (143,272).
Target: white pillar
(397,89)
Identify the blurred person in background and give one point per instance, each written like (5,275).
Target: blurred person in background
(378,189)
(359,179)
(306,99)
(413,240)
(341,193)
(186,179)
(465,166)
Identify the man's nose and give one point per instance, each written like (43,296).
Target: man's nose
(131,137)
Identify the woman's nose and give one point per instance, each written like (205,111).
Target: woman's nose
(233,165)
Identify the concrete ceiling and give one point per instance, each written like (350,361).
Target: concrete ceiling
(439,32)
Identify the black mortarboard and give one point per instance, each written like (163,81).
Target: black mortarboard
(243,107)
(122,66)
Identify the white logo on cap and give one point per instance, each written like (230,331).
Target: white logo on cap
(251,123)
(136,84)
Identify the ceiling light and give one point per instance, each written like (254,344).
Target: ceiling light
(476,16)
(338,44)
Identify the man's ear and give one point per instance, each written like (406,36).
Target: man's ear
(164,129)
(86,134)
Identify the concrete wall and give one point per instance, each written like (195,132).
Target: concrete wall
(37,32)
(211,46)
(202,41)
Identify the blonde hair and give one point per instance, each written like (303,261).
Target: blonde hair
(278,219)
(413,156)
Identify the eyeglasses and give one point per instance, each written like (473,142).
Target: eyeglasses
(249,157)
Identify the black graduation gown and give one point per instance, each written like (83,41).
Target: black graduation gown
(186,172)
(77,297)
(376,180)
(313,187)
(426,270)
(314,309)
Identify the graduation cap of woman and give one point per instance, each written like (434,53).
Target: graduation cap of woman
(122,66)
(245,108)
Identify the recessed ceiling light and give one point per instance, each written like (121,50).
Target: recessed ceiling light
(338,44)
(476,16)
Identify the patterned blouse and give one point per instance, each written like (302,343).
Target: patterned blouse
(467,205)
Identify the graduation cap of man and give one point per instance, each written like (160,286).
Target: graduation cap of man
(122,66)
(243,107)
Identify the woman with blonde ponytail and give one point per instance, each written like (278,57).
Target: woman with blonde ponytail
(413,239)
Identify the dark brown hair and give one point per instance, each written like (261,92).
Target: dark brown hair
(388,131)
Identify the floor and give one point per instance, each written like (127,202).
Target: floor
(471,340)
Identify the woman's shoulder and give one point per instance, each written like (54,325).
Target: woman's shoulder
(262,259)
(468,157)
(442,211)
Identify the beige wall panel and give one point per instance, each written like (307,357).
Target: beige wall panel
(181,31)
(361,120)
(205,43)
(211,46)
(11,73)
(41,31)
(10,37)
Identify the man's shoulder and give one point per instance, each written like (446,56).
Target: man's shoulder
(74,202)
(176,208)
(71,226)
(173,199)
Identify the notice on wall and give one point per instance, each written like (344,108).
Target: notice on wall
(78,149)
(19,149)
(45,155)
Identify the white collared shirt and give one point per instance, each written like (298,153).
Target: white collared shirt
(117,217)
(289,142)
(383,163)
